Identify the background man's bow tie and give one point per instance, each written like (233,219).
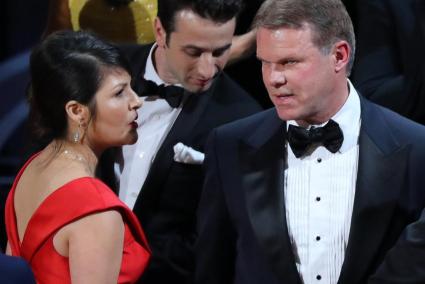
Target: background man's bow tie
(300,139)
(172,94)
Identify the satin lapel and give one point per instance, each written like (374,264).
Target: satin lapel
(181,130)
(381,174)
(262,180)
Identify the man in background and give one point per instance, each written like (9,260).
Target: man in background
(185,95)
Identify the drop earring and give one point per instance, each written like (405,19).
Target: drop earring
(76,136)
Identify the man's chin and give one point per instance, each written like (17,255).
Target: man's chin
(284,115)
(198,88)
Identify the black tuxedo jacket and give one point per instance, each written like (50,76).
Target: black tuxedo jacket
(243,234)
(166,206)
(389,67)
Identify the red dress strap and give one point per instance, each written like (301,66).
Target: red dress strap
(10,216)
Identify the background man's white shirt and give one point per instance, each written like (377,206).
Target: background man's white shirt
(155,120)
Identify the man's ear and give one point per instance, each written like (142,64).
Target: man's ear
(341,55)
(160,34)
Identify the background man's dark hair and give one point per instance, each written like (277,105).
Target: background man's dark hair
(219,11)
(328,19)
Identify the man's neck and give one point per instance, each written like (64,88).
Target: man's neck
(161,66)
(341,92)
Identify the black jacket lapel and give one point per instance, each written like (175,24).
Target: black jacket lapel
(262,161)
(381,174)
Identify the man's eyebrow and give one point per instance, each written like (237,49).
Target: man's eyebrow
(190,46)
(279,61)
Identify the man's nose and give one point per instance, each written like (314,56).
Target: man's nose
(277,76)
(206,66)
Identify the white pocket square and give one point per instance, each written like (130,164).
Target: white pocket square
(187,155)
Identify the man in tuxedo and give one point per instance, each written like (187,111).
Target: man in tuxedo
(319,188)
(161,176)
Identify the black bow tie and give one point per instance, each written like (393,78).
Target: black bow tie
(300,139)
(172,94)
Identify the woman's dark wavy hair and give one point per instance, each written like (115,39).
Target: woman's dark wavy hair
(67,66)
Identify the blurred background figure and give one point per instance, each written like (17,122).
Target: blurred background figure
(69,225)
(125,21)
(390,66)
(247,71)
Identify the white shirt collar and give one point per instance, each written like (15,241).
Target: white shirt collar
(150,72)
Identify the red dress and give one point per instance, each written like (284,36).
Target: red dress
(70,202)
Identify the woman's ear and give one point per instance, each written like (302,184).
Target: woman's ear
(77,112)
(78,118)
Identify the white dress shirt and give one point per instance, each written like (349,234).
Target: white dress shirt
(155,120)
(319,197)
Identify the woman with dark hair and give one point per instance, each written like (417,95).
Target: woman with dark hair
(67,224)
